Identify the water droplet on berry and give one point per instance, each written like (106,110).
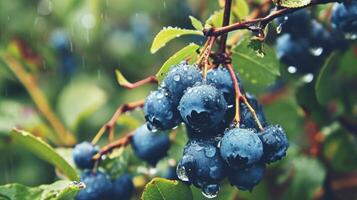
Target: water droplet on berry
(210,151)
(181,173)
(279,28)
(316,51)
(189,77)
(159,95)
(292,69)
(177,78)
(210,191)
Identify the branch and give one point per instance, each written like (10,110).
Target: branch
(110,125)
(40,100)
(226,17)
(129,85)
(237,92)
(258,23)
(116,144)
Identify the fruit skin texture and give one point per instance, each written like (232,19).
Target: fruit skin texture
(241,148)
(344,17)
(159,111)
(275,143)
(97,184)
(122,187)
(247,119)
(246,179)
(83,153)
(149,146)
(297,23)
(201,163)
(179,78)
(202,107)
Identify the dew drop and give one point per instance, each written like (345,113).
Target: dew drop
(160,95)
(177,78)
(279,28)
(210,151)
(316,51)
(210,191)
(292,69)
(181,173)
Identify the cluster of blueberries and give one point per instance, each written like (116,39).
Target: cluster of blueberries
(305,43)
(216,149)
(98,184)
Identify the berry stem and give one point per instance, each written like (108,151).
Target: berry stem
(121,142)
(206,56)
(237,92)
(129,85)
(251,109)
(258,23)
(110,125)
(226,17)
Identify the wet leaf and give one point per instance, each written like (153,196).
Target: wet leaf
(163,189)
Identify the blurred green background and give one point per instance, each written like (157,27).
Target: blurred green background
(72,49)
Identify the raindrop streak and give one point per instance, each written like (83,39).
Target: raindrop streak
(316,51)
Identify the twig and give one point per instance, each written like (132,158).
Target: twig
(206,56)
(129,85)
(110,125)
(125,140)
(251,109)
(226,18)
(28,81)
(237,92)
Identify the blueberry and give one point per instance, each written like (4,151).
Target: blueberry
(122,187)
(246,179)
(83,153)
(201,163)
(241,148)
(179,78)
(222,80)
(297,52)
(297,23)
(275,143)
(247,118)
(98,186)
(160,112)
(202,107)
(149,146)
(344,17)
(320,39)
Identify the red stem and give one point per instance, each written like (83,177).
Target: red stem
(237,92)
(226,17)
(150,79)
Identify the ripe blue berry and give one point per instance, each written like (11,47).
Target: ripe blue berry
(275,143)
(241,148)
(149,146)
(201,164)
(222,80)
(246,179)
(83,153)
(202,107)
(179,78)
(97,187)
(247,119)
(160,112)
(344,18)
(122,187)
(297,23)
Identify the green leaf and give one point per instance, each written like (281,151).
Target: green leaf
(79,100)
(169,33)
(197,24)
(43,150)
(293,3)
(240,8)
(120,78)
(226,192)
(253,67)
(163,189)
(189,50)
(215,19)
(60,190)
(327,87)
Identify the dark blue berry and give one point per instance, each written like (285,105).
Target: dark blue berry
(201,163)
(83,153)
(150,146)
(241,148)
(179,78)
(247,118)
(98,186)
(297,23)
(275,143)
(122,187)
(160,112)
(202,107)
(246,179)
(344,18)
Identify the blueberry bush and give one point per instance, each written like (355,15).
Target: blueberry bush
(249,99)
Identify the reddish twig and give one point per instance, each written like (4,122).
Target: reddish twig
(251,109)
(237,92)
(226,18)
(206,55)
(110,125)
(150,79)
(122,142)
